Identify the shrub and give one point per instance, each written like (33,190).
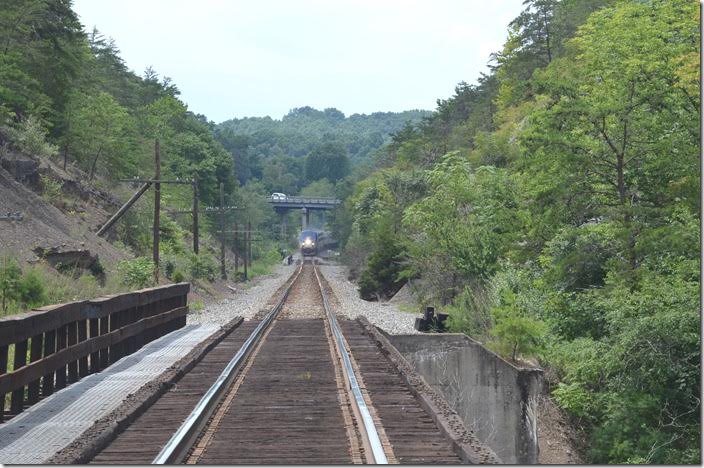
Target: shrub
(169,268)
(30,137)
(263,265)
(51,189)
(177,277)
(380,277)
(30,289)
(10,274)
(469,312)
(574,398)
(138,273)
(203,266)
(515,333)
(171,236)
(97,270)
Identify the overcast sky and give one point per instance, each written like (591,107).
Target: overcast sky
(265,57)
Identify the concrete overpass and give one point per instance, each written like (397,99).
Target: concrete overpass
(305,204)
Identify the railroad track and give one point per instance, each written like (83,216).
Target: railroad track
(292,393)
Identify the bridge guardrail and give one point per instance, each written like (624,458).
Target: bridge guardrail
(311,200)
(56,345)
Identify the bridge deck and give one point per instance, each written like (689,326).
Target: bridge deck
(313,203)
(38,433)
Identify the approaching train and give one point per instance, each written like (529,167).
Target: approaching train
(311,242)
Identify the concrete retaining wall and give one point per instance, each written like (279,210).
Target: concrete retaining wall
(495,398)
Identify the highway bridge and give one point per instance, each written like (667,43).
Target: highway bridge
(282,205)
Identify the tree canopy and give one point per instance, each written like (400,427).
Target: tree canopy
(553,209)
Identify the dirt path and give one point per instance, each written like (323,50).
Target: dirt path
(556,437)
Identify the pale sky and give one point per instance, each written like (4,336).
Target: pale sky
(264,57)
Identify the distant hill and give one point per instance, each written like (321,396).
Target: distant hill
(302,129)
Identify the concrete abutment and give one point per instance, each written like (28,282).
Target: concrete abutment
(493,397)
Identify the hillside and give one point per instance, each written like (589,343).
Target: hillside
(259,143)
(552,209)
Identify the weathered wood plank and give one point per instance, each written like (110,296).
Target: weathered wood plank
(19,327)
(94,331)
(26,374)
(16,328)
(72,364)
(35,354)
(3,370)
(49,349)
(18,390)
(61,334)
(83,360)
(104,352)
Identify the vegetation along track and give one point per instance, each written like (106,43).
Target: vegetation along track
(293,393)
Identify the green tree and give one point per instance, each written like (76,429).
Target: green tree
(41,48)
(102,130)
(515,333)
(380,277)
(327,161)
(319,188)
(10,274)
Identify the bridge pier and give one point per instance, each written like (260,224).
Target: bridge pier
(306,204)
(283,225)
(305,218)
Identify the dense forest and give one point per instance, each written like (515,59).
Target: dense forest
(275,150)
(553,209)
(552,206)
(67,96)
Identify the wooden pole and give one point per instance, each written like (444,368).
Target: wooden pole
(237,250)
(123,208)
(244,257)
(249,243)
(223,273)
(195,213)
(157,209)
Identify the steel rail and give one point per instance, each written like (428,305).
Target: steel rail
(177,447)
(369,427)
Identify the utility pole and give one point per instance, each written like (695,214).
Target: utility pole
(223,273)
(249,243)
(244,257)
(236,249)
(195,213)
(157,208)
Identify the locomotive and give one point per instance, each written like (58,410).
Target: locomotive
(311,242)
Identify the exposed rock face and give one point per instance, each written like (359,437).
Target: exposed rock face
(42,227)
(24,169)
(69,260)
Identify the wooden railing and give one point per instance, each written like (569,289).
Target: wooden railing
(53,346)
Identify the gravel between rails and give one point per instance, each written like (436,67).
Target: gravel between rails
(304,301)
(245,302)
(386,316)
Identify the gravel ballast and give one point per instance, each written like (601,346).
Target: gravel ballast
(246,302)
(384,315)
